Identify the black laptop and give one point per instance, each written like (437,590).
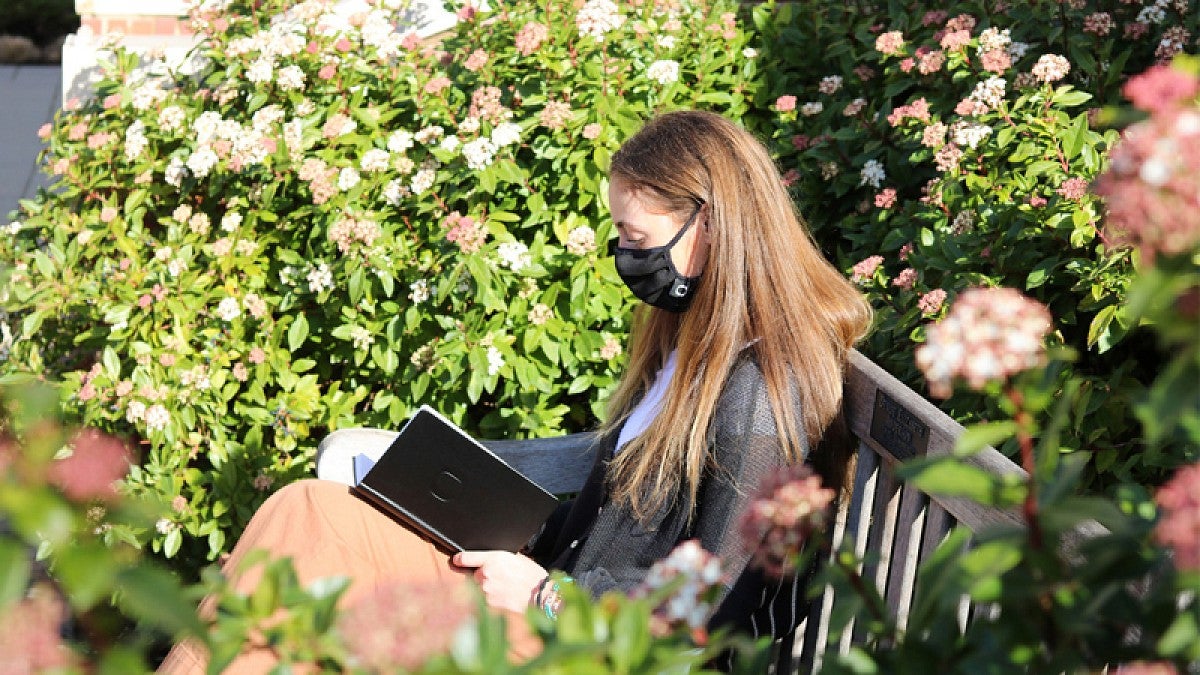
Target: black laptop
(452,489)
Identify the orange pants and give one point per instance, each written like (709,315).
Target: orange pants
(327,531)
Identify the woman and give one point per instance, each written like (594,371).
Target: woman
(735,369)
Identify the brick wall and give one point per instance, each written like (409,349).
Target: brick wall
(134,18)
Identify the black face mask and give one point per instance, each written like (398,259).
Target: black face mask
(652,277)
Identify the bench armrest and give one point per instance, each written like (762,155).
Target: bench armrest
(559,464)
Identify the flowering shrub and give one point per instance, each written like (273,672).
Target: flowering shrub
(935,150)
(317,221)
(1088,582)
(120,606)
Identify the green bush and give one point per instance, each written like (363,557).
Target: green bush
(314,229)
(932,153)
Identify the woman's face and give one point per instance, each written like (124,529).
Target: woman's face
(639,227)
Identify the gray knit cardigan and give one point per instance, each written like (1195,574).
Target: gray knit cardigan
(604,547)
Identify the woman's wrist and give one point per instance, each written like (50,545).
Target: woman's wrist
(548,597)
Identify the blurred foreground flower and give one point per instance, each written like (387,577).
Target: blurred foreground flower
(1179,528)
(96,462)
(791,506)
(1152,186)
(989,335)
(405,624)
(700,575)
(30,640)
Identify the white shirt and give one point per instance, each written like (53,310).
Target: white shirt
(650,405)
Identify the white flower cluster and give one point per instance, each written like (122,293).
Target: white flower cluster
(581,240)
(375,160)
(505,134)
(969,135)
(348,178)
(495,360)
(172,118)
(1154,14)
(994,38)
(399,141)
(1017,50)
(196,377)
(320,278)
(514,255)
(663,71)
(872,174)
(479,154)
(147,95)
(290,78)
(135,140)
(395,192)
(701,572)
(990,92)
(419,291)
(598,17)
(450,143)
(6,340)
(830,84)
(812,108)
(379,32)
(423,180)
(229,309)
(429,134)
(362,338)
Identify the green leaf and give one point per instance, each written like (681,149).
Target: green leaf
(172,543)
(1074,138)
(1182,636)
(14,571)
(952,477)
(154,596)
(297,333)
(977,437)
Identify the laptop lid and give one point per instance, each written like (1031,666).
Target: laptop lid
(451,488)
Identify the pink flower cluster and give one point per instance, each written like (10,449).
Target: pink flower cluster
(1152,185)
(96,462)
(349,231)
(486,105)
(1179,527)
(320,178)
(465,231)
(405,624)
(865,268)
(918,110)
(785,103)
(1073,188)
(788,508)
(905,279)
(697,576)
(530,37)
(555,115)
(1099,24)
(30,641)
(890,43)
(931,303)
(886,199)
(989,335)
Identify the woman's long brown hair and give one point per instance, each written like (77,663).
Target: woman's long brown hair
(765,284)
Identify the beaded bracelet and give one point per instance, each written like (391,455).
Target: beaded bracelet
(550,600)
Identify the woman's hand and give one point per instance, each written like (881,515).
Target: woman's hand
(507,579)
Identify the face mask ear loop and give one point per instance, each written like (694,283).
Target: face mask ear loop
(686,225)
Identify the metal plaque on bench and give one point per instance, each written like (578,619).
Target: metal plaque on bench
(899,431)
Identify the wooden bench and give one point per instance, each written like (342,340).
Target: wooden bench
(897,522)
